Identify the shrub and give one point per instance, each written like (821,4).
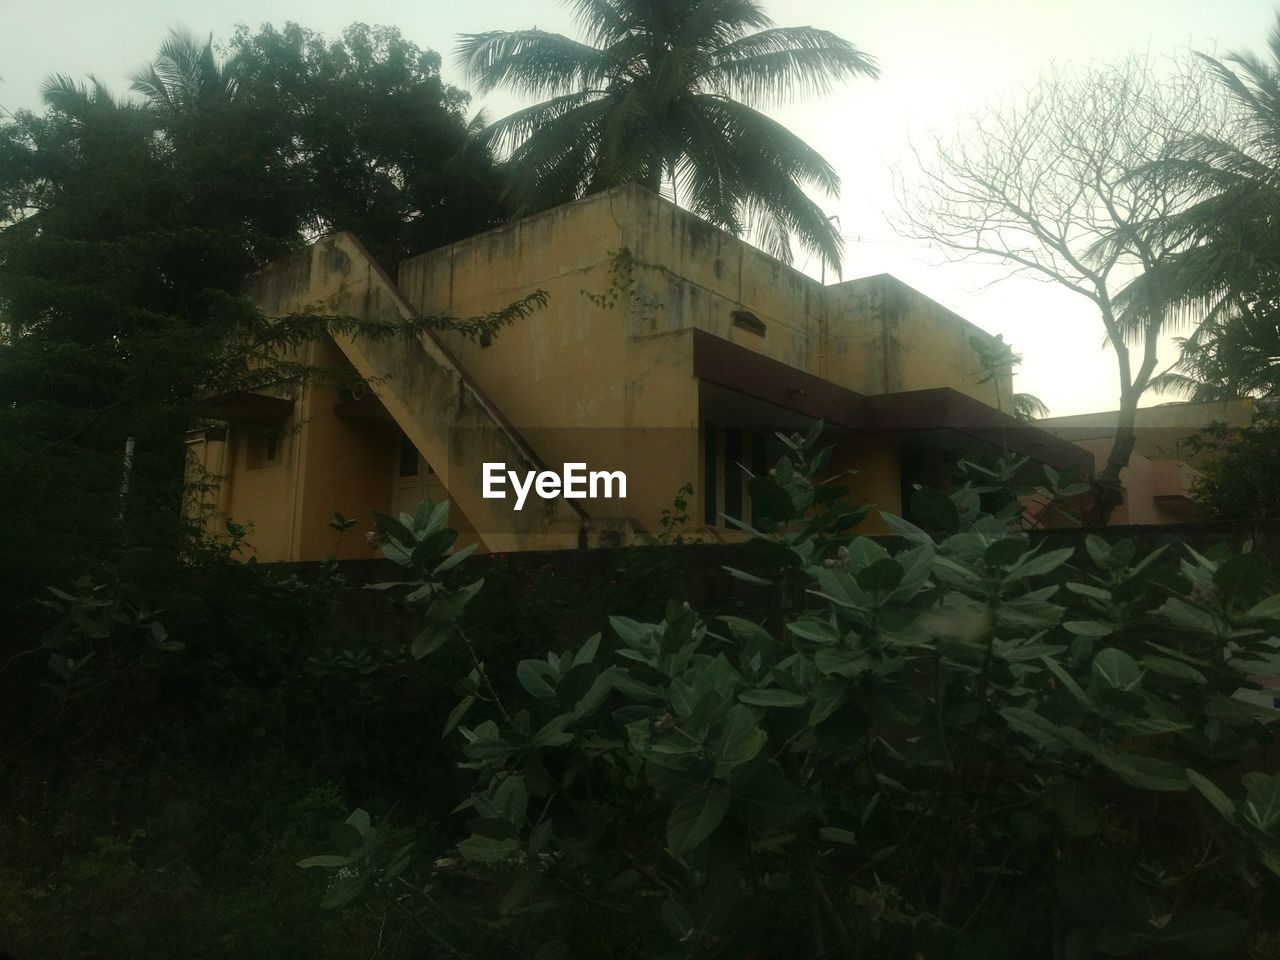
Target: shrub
(960,747)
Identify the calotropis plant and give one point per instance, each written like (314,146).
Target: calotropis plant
(955,744)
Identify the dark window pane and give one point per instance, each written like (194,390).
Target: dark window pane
(709,474)
(733,474)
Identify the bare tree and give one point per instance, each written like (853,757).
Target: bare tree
(1063,185)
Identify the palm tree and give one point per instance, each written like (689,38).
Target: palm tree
(185,74)
(1227,277)
(664,93)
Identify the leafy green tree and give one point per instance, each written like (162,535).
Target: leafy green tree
(367,137)
(126,229)
(664,93)
(1243,481)
(1228,275)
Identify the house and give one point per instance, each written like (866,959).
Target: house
(668,351)
(1160,479)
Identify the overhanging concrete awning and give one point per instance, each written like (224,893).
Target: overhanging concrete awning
(940,409)
(245,407)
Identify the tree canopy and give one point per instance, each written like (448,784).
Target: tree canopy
(666,94)
(127,226)
(1227,275)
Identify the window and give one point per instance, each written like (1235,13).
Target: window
(408,457)
(263,450)
(710,515)
(730,456)
(759,461)
(746,320)
(733,475)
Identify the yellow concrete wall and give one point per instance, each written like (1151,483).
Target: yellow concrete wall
(263,498)
(581,376)
(581,381)
(345,466)
(1160,432)
(610,384)
(326,464)
(439,406)
(885,337)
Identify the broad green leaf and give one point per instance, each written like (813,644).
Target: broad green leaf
(1186,617)
(744,577)
(828,697)
(1069,682)
(1088,628)
(536,677)
(1262,800)
(695,817)
(935,510)
(431,546)
(512,798)
(772,697)
(455,558)
(456,715)
(770,500)
(395,529)
(814,630)
(327,860)
(344,891)
(908,531)
(676,918)
(838,835)
(1173,669)
(1268,609)
(1139,770)
(882,576)
(763,796)
(1116,669)
(1209,790)
(1086,590)
(1033,725)
(1004,552)
(488,849)
(1037,565)
(633,634)
(430,639)
(1151,726)
(587,652)
(745,630)
(770,553)
(836,661)
(1098,549)
(596,694)
(1243,575)
(739,742)
(863,552)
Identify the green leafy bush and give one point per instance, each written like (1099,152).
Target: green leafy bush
(965,746)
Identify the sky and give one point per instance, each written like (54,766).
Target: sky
(941,62)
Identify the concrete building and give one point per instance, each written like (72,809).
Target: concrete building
(1161,476)
(667,350)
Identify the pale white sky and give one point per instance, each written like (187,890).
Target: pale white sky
(941,61)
